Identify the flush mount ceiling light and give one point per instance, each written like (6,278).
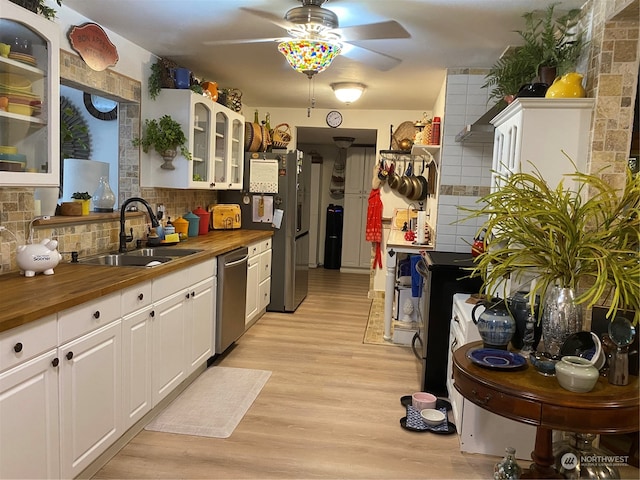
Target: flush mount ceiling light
(309,56)
(348,92)
(343,142)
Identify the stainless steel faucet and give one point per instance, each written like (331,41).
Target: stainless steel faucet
(124,238)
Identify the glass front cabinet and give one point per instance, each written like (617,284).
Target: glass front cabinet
(215,137)
(29,99)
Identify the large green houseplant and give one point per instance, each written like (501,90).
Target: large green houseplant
(548,41)
(165,136)
(586,238)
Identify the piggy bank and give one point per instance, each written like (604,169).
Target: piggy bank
(40,257)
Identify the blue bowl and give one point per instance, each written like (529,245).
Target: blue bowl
(544,363)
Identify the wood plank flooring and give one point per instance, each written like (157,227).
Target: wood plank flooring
(330,410)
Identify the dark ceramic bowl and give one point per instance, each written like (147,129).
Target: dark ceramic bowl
(544,363)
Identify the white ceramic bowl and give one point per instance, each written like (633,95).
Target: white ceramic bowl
(432,417)
(422,400)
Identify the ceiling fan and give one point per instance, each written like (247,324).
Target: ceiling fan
(312,21)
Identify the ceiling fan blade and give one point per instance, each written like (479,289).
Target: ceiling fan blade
(242,41)
(374,31)
(270,17)
(380,61)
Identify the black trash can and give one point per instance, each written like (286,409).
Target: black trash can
(333,237)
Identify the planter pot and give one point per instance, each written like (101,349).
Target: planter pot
(168,156)
(86,205)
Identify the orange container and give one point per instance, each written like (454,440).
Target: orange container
(181,225)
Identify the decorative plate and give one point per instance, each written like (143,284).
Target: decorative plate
(494,358)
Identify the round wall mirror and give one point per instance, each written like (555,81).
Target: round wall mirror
(100,107)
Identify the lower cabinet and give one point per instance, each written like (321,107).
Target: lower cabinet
(29,427)
(71,384)
(90,397)
(258,280)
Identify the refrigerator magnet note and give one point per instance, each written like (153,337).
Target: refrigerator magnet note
(262,208)
(263,176)
(277,218)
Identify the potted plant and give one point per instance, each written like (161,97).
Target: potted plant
(84,198)
(552,43)
(548,43)
(165,136)
(38,6)
(561,238)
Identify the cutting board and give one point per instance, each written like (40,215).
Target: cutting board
(226,216)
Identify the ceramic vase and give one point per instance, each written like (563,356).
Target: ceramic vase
(560,318)
(508,468)
(168,156)
(576,374)
(567,86)
(495,324)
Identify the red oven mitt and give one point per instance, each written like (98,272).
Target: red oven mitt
(374,225)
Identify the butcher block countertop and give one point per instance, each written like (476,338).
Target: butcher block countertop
(23,300)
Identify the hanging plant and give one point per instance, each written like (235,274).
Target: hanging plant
(162,135)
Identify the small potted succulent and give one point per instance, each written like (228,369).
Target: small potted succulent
(166,137)
(38,6)
(84,198)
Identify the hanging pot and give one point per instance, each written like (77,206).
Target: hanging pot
(393,178)
(420,186)
(405,182)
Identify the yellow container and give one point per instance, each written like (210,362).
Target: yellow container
(86,205)
(182,226)
(567,86)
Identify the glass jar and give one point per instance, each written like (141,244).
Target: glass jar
(508,467)
(578,458)
(103,198)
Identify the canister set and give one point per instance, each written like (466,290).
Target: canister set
(191,224)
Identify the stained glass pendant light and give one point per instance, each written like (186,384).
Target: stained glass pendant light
(309,56)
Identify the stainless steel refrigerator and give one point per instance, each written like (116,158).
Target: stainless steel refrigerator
(290,246)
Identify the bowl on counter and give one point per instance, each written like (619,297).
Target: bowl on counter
(432,417)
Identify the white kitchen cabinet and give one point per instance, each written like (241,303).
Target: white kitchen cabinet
(533,133)
(356,251)
(29,421)
(258,280)
(35,132)
(169,366)
(215,137)
(90,396)
(177,297)
(137,317)
(200,323)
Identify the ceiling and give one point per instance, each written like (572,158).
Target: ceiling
(443,34)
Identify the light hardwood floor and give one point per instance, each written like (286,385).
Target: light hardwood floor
(330,410)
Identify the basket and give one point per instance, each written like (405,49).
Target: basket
(281,136)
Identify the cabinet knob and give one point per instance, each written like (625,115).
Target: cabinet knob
(140,296)
(187,295)
(17,347)
(69,355)
(152,313)
(193,294)
(55,362)
(96,314)
(212,185)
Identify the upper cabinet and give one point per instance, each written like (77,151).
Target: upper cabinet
(542,134)
(215,137)
(29,99)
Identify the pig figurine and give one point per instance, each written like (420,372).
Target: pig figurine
(41,257)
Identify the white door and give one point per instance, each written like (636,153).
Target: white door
(169,365)
(29,427)
(253,281)
(90,396)
(136,364)
(200,327)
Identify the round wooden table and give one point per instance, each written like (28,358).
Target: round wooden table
(526,396)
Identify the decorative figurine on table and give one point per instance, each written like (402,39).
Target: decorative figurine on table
(40,257)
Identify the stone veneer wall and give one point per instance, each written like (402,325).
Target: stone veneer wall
(16,204)
(612,79)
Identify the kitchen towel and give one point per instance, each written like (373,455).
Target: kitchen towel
(214,404)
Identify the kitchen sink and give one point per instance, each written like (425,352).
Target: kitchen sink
(163,252)
(125,260)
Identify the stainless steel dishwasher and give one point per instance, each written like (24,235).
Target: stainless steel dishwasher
(232,297)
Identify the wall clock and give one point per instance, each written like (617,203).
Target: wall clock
(101,108)
(334,119)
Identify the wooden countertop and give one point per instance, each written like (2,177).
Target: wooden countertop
(24,300)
